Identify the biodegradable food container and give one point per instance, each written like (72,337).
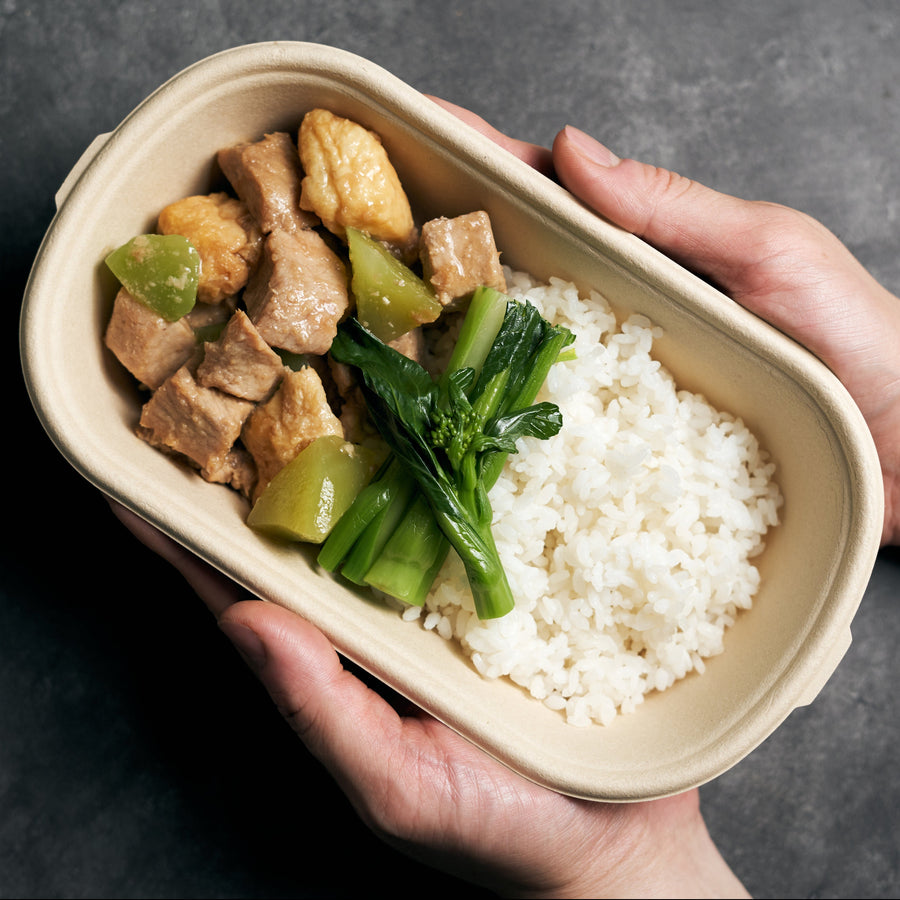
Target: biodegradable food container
(816,564)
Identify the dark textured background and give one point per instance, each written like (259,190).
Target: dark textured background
(137,756)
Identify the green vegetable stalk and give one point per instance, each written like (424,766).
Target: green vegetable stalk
(385,540)
(452,436)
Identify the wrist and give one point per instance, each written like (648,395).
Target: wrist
(684,862)
(891,534)
(661,848)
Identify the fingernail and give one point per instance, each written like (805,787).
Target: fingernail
(591,148)
(247,643)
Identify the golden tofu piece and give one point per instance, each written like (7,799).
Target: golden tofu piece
(223,233)
(350,181)
(291,419)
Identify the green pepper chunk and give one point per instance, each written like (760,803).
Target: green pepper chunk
(305,499)
(390,298)
(160,270)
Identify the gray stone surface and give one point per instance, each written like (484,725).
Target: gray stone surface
(137,756)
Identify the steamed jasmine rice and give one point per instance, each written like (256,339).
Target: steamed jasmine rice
(628,538)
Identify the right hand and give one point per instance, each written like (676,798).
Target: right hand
(777,262)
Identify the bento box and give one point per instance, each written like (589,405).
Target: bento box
(816,562)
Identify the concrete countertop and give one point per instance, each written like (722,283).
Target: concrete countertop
(138,757)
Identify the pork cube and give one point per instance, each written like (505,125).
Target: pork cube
(224,234)
(205,318)
(198,423)
(458,255)
(350,402)
(241,470)
(266,175)
(298,293)
(149,346)
(291,419)
(240,362)
(411,345)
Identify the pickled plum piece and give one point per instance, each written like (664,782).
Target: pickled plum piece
(306,497)
(160,270)
(391,299)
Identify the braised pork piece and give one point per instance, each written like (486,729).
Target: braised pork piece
(241,384)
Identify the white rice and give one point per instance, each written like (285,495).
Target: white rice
(628,538)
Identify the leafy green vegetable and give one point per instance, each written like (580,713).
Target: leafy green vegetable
(448,436)
(385,540)
(370,545)
(371,501)
(411,557)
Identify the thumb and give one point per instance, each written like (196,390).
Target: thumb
(325,704)
(398,766)
(694,224)
(778,262)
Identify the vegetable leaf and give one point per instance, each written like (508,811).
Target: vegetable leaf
(444,435)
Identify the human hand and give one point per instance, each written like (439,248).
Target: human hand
(415,782)
(432,794)
(777,262)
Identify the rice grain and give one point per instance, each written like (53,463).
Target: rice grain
(628,538)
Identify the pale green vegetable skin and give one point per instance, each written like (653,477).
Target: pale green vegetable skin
(390,298)
(306,497)
(160,270)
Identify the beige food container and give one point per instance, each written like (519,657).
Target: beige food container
(815,567)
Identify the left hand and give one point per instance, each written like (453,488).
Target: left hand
(430,793)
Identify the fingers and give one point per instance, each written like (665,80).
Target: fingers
(768,257)
(694,224)
(657,205)
(338,718)
(778,262)
(404,774)
(536,156)
(335,714)
(216,590)
(420,786)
